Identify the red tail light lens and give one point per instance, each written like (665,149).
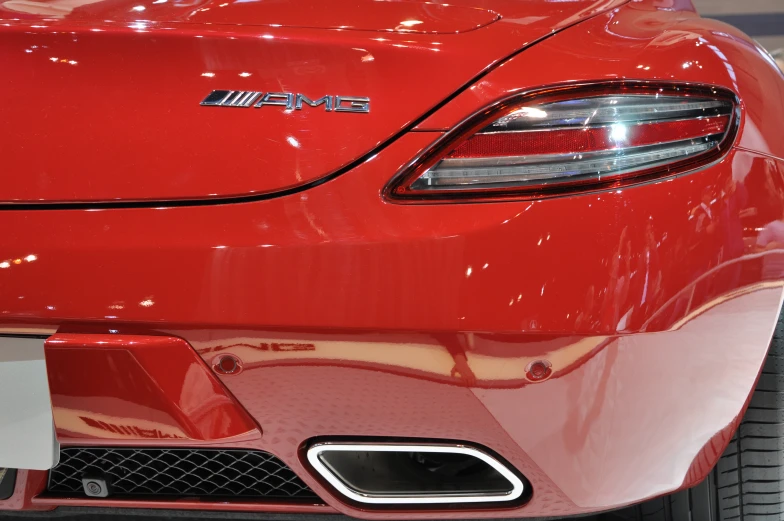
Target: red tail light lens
(579,140)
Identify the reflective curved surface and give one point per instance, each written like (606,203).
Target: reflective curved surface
(645,43)
(581,338)
(130,77)
(135,388)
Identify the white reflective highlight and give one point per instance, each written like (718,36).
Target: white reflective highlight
(618,132)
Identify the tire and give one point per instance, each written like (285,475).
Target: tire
(747,484)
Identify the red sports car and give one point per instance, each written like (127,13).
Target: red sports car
(394,259)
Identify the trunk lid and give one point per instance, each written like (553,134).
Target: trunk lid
(103,96)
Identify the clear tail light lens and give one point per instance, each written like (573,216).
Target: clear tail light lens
(574,141)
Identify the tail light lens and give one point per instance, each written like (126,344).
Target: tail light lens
(574,140)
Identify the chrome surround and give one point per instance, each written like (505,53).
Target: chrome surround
(301,98)
(279,99)
(289,100)
(354,104)
(379,499)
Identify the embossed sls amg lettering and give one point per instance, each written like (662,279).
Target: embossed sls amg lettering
(289,100)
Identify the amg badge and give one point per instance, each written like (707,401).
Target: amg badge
(290,100)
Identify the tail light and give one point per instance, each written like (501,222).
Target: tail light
(574,139)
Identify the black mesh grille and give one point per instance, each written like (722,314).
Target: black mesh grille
(178,473)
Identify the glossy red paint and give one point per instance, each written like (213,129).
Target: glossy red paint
(320,260)
(29,484)
(118,389)
(653,46)
(96,111)
(289,377)
(653,304)
(366,15)
(593,414)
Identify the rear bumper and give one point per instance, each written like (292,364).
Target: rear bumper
(354,317)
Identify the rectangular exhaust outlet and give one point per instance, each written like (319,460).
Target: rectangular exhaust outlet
(408,474)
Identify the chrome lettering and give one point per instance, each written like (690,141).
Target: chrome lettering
(301,98)
(289,100)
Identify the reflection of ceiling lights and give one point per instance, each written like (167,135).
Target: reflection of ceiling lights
(63,60)
(9,262)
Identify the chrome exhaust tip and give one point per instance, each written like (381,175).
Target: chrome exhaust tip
(414,473)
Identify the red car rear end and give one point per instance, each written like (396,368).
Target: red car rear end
(393,259)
